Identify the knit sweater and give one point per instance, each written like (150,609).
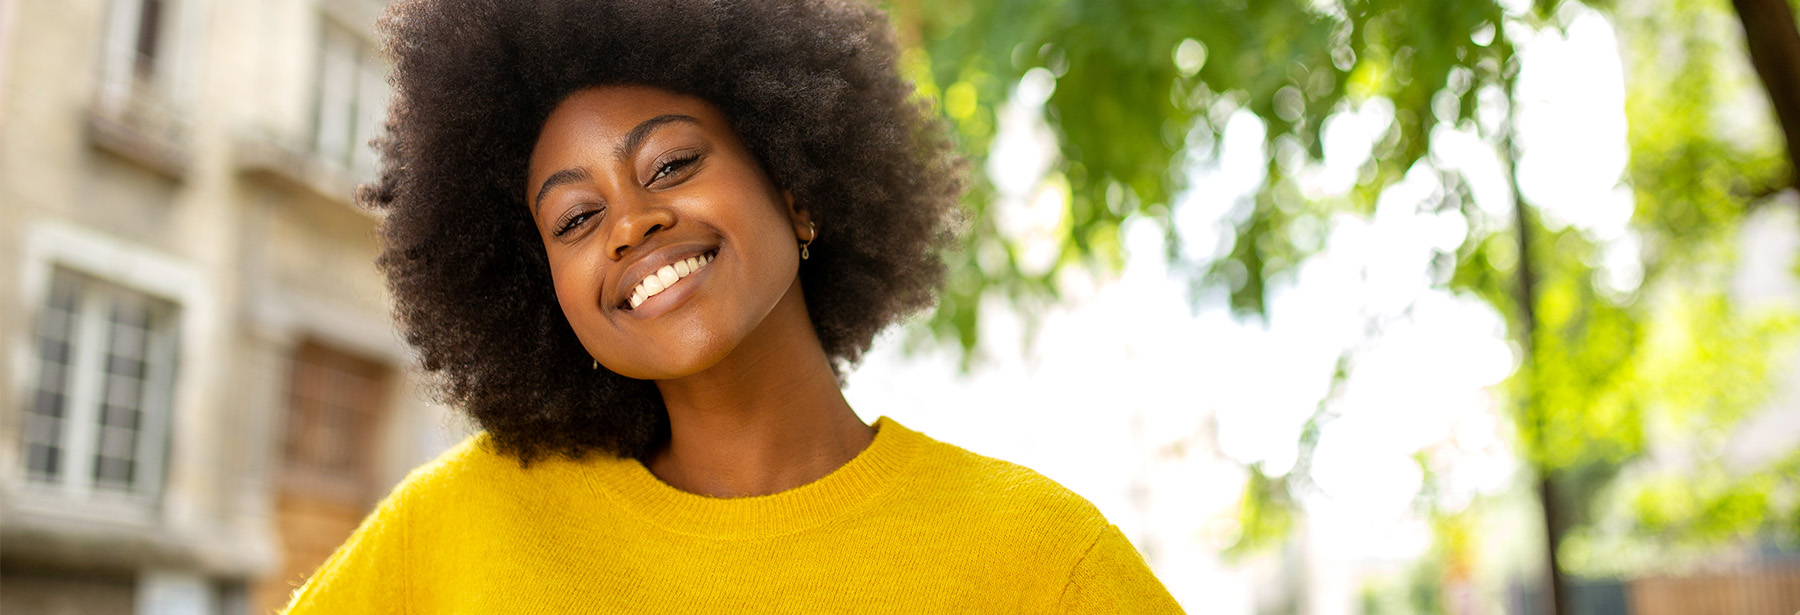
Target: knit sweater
(911,525)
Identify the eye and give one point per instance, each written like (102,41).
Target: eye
(674,166)
(576,219)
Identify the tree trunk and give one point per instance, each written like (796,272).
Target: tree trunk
(1556,597)
(1774,42)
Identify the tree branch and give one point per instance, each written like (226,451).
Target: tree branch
(1774,42)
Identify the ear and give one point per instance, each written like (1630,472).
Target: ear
(802,219)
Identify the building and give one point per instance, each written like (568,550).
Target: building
(201,392)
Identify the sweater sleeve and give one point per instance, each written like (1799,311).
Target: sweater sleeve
(1113,578)
(367,574)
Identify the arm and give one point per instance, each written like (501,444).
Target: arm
(1113,578)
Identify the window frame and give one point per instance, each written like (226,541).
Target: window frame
(353,75)
(84,393)
(357,483)
(117,266)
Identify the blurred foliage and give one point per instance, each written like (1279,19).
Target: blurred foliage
(1265,514)
(1712,507)
(1701,363)
(1143,90)
(1439,582)
(1140,85)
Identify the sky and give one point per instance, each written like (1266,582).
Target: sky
(1152,410)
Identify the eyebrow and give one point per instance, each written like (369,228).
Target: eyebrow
(565,176)
(633,141)
(635,138)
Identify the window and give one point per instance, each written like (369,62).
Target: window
(143,78)
(150,18)
(334,406)
(97,417)
(352,100)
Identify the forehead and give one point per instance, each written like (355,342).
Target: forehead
(592,121)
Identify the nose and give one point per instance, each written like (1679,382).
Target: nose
(635,220)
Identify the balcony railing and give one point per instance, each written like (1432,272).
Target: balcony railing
(138,120)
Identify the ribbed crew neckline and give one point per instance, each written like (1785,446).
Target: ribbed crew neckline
(868,476)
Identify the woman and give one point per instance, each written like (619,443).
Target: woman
(640,242)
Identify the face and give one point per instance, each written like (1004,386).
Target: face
(668,244)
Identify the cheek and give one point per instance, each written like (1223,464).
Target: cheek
(574,293)
(577,287)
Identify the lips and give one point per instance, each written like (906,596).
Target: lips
(648,277)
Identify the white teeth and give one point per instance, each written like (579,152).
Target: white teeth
(666,277)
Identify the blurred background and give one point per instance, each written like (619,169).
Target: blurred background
(1333,306)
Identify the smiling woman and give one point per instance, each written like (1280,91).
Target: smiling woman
(640,242)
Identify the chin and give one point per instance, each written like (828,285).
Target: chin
(667,365)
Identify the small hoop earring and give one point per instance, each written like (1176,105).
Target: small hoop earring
(814,231)
(596,365)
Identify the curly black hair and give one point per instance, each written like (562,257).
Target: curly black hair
(811,87)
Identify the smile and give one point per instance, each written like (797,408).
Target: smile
(667,277)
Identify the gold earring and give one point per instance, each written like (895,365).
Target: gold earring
(596,365)
(815,235)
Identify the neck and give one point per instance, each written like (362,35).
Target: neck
(767,418)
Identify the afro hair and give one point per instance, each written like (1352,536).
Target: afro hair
(811,87)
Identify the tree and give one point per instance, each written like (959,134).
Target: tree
(1140,86)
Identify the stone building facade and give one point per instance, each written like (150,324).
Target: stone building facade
(201,392)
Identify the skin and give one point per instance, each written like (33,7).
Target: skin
(753,406)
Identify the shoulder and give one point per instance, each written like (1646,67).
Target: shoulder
(473,477)
(473,460)
(1013,513)
(1001,496)
(369,572)
(995,482)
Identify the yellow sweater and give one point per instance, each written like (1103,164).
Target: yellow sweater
(911,525)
